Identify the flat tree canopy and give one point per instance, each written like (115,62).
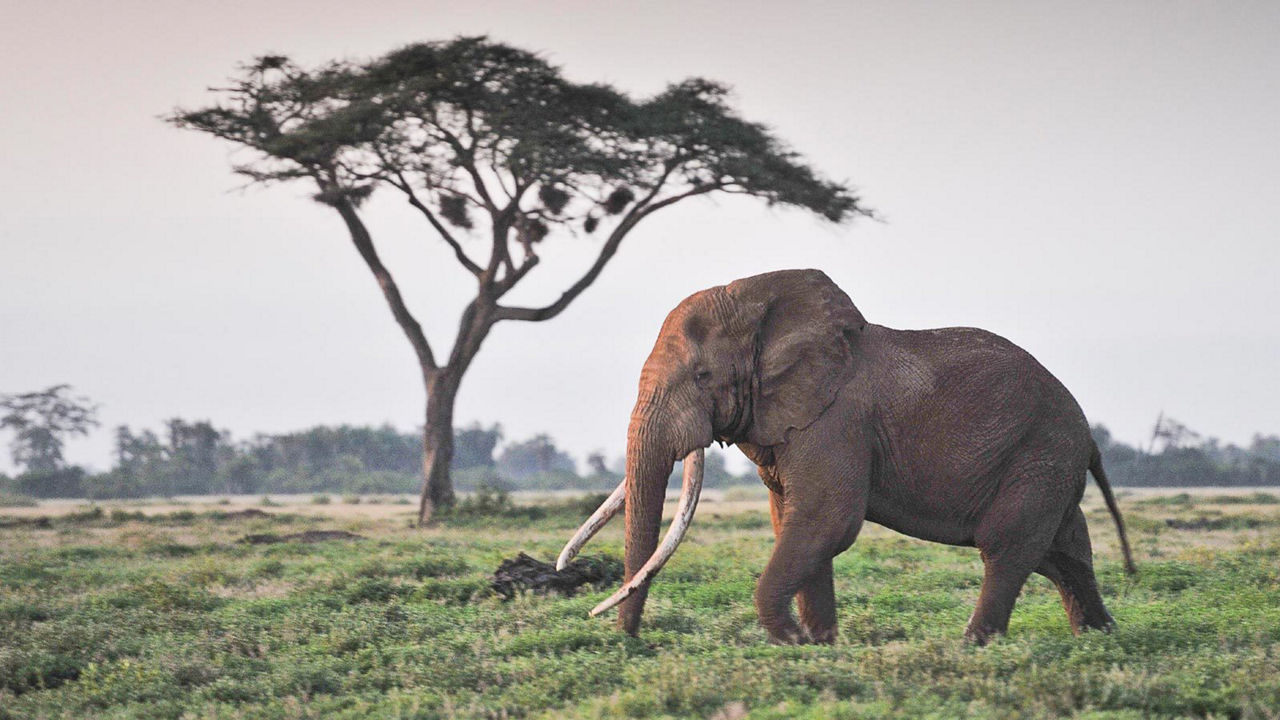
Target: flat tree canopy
(41,422)
(491,143)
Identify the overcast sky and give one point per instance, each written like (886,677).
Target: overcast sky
(1098,182)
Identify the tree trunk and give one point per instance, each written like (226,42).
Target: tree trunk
(442,390)
(437,445)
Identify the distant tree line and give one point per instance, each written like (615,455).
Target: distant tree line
(1186,459)
(196,458)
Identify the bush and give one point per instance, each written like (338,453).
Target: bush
(493,501)
(60,483)
(472,479)
(114,484)
(13,500)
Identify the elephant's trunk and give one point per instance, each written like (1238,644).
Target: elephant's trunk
(662,429)
(643,561)
(650,454)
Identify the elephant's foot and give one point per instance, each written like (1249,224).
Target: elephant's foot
(1105,624)
(784,631)
(1086,617)
(980,634)
(788,638)
(793,634)
(825,636)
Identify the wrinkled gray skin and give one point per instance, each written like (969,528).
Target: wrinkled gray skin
(953,435)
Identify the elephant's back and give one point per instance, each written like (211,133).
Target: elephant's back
(995,395)
(969,361)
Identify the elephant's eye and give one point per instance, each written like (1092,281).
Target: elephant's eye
(702,377)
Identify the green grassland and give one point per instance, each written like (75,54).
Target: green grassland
(155,612)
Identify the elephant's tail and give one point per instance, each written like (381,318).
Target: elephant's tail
(1100,476)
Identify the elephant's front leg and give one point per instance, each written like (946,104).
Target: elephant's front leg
(816,599)
(817,516)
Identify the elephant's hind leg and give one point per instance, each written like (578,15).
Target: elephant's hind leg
(1014,539)
(817,604)
(1069,564)
(1002,581)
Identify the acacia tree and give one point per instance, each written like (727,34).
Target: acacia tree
(41,422)
(498,153)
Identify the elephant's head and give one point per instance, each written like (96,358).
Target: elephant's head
(746,362)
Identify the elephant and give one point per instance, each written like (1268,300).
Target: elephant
(951,435)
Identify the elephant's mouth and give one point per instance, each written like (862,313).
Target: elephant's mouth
(690,491)
(734,428)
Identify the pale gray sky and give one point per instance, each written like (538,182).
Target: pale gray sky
(1096,181)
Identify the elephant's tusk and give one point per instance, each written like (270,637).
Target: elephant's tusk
(598,519)
(689,493)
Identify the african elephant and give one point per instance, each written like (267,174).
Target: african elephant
(953,435)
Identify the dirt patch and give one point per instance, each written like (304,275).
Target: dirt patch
(525,573)
(309,536)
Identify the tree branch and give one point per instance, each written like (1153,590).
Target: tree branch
(515,275)
(502,221)
(606,253)
(364,245)
(404,186)
(466,159)
(700,190)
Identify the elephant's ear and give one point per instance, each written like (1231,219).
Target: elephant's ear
(809,332)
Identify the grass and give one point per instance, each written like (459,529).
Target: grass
(127,614)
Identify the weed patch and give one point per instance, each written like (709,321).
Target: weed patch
(1254,498)
(308,536)
(1229,522)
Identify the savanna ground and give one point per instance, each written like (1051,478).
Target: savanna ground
(160,611)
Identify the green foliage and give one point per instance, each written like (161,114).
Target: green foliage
(1176,499)
(536,456)
(415,117)
(491,502)
(1253,498)
(1187,460)
(473,446)
(9,500)
(199,459)
(41,422)
(60,482)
